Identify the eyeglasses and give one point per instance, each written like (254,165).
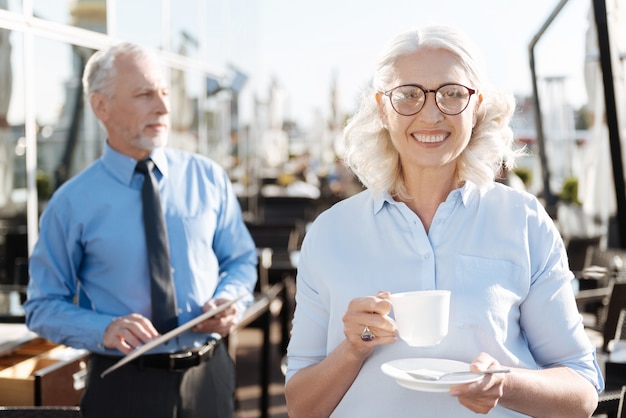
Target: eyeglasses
(409,99)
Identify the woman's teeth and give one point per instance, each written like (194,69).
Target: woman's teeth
(429,138)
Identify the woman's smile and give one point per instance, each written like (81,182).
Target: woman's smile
(429,138)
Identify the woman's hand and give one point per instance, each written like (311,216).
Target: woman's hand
(370,311)
(481,396)
(316,390)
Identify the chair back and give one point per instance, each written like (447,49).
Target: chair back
(39,411)
(579,251)
(279,237)
(617,303)
(287,209)
(620,331)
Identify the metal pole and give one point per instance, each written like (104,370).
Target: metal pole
(549,197)
(599,9)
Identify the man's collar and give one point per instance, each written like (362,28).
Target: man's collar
(123,167)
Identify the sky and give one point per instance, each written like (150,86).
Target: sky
(304,45)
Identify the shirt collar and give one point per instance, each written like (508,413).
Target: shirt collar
(122,166)
(464,193)
(160,160)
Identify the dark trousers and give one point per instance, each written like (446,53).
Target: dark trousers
(206,390)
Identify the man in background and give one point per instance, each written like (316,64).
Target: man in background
(90,284)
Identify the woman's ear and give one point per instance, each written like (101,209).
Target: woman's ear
(381,109)
(479,100)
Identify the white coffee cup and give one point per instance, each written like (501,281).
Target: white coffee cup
(422,316)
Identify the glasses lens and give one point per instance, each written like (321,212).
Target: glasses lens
(407,100)
(452,99)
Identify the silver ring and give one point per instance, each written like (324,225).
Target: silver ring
(367,335)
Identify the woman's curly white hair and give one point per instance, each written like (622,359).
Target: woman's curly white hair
(369,152)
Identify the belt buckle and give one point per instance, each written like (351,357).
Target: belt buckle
(182,361)
(207,349)
(174,359)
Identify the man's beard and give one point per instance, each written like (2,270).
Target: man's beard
(150,142)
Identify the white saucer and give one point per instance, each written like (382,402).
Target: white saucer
(397,369)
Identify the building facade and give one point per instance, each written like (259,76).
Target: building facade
(47,131)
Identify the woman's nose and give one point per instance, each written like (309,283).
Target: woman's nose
(430,110)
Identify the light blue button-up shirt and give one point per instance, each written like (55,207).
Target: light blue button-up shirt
(499,254)
(92,249)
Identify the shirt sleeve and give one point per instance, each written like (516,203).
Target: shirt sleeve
(53,285)
(235,251)
(308,342)
(555,343)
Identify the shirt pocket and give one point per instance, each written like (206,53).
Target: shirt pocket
(488,295)
(194,243)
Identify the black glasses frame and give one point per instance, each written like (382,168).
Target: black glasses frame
(389,92)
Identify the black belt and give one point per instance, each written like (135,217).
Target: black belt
(179,361)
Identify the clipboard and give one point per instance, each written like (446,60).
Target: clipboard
(168,336)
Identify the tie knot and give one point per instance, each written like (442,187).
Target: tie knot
(145,166)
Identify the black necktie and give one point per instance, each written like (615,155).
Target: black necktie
(162,289)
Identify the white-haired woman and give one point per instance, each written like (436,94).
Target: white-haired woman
(427,142)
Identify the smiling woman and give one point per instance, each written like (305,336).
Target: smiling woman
(427,141)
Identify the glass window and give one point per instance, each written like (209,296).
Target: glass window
(90,14)
(54,10)
(12,142)
(13,243)
(217,34)
(11,5)
(149,13)
(216,119)
(185,36)
(185,93)
(68,137)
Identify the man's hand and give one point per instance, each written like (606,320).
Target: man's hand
(223,323)
(129,332)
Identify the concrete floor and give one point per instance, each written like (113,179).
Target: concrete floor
(248,396)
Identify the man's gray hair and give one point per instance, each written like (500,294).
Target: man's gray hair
(100,68)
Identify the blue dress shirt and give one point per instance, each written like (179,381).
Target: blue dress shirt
(499,254)
(90,266)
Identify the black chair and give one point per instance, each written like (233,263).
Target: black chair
(579,251)
(621,410)
(612,300)
(39,411)
(283,240)
(611,400)
(613,259)
(260,315)
(280,210)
